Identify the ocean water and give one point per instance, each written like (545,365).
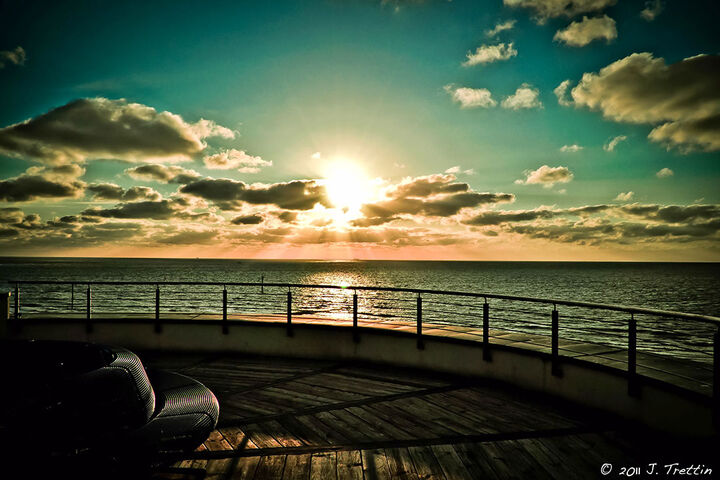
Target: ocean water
(685,287)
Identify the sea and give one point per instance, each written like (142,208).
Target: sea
(683,287)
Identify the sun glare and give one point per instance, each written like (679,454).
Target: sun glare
(347,186)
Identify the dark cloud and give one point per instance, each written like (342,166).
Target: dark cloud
(110,191)
(673,213)
(247,220)
(287,216)
(43,182)
(682,100)
(17,56)
(11,215)
(100,128)
(231,194)
(157,210)
(433,195)
(427,185)
(189,237)
(163,173)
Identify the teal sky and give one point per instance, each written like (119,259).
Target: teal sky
(370,83)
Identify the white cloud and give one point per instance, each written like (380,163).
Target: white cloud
(579,34)
(471,97)
(664,173)
(571,148)
(624,197)
(681,100)
(490,53)
(561,93)
(546,176)
(500,27)
(652,9)
(235,160)
(610,145)
(545,9)
(16,57)
(456,169)
(525,97)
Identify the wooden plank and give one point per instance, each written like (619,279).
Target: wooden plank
(400,464)
(244,468)
(379,424)
(349,465)
(219,467)
(216,441)
(375,465)
(451,464)
(476,466)
(426,465)
(297,467)
(281,434)
(522,464)
(323,430)
(342,427)
(399,419)
(305,434)
(237,439)
(367,431)
(260,436)
(323,466)
(270,466)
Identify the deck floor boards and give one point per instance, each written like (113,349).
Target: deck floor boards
(468,430)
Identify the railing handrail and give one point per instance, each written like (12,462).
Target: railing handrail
(419,291)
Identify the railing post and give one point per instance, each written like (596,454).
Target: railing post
(289,314)
(486,332)
(716,379)
(420,342)
(225,328)
(4,314)
(555,368)
(633,387)
(88,307)
(158,325)
(356,333)
(17,302)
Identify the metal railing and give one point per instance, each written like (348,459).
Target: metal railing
(692,338)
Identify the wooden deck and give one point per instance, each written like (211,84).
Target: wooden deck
(304,419)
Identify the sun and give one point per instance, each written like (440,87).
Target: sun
(348,187)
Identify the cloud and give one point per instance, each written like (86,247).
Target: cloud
(15,57)
(111,191)
(235,160)
(610,145)
(579,34)
(166,209)
(489,54)
(231,194)
(163,173)
(664,173)
(546,176)
(434,195)
(545,9)
(561,93)
(287,216)
(681,100)
(95,128)
(525,97)
(457,169)
(247,220)
(44,182)
(624,197)
(471,97)
(652,9)
(500,27)
(571,148)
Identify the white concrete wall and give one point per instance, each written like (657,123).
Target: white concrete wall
(659,407)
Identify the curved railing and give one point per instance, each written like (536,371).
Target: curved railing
(641,341)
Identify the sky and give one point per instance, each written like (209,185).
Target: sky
(579,130)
